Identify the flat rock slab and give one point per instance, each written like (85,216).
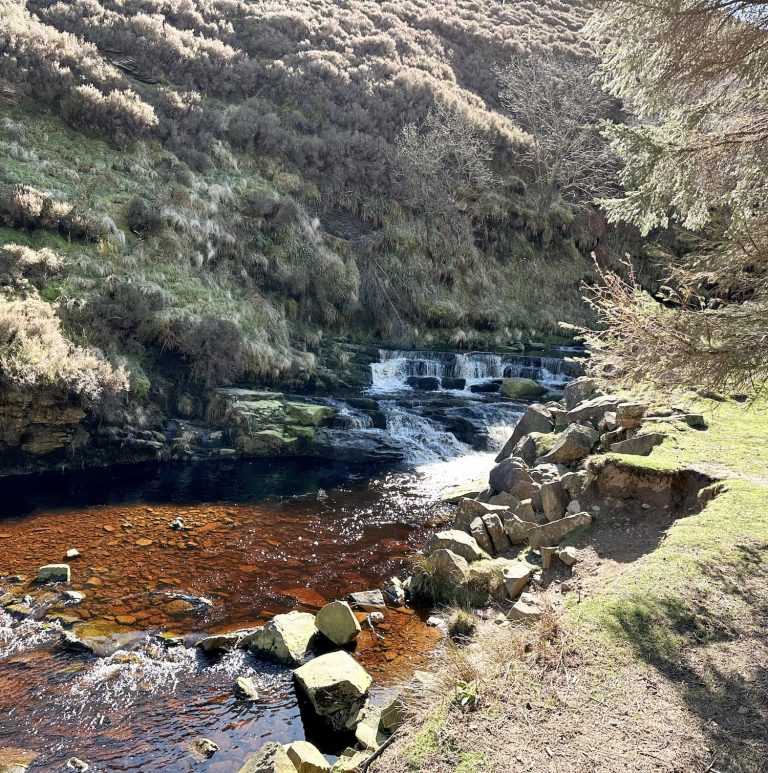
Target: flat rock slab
(101,638)
(458,542)
(54,573)
(306,758)
(367,600)
(552,533)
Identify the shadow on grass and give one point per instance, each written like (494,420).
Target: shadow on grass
(710,639)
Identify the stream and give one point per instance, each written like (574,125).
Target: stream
(265,536)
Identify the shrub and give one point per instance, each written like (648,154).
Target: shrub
(35,352)
(143,217)
(19,263)
(214,350)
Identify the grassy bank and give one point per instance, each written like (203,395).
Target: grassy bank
(654,663)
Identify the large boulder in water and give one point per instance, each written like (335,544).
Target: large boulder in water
(270,758)
(423,383)
(572,444)
(538,418)
(521,388)
(101,638)
(285,638)
(337,622)
(335,685)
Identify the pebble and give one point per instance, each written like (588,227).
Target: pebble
(74,763)
(72,553)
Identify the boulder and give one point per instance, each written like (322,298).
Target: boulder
(495,530)
(450,567)
(285,638)
(270,758)
(335,685)
(350,761)
(423,383)
(486,387)
(516,577)
(453,383)
(513,476)
(337,622)
(526,609)
(368,732)
(532,446)
(554,532)
(537,418)
(223,642)
(245,689)
(578,390)
(547,554)
(608,422)
(469,509)
(516,529)
(478,531)
(308,414)
(54,573)
(393,715)
(458,542)
(543,473)
(568,555)
(574,506)
(504,499)
(573,483)
(525,511)
(592,411)
(367,600)
(629,415)
(306,757)
(641,445)
(521,388)
(572,444)
(553,500)
(559,416)
(455,494)
(394,593)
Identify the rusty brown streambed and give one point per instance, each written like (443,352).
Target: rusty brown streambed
(290,535)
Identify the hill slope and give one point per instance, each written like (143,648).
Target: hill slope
(222,184)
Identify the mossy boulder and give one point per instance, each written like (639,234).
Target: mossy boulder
(309,415)
(521,388)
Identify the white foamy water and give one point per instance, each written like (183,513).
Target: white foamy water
(390,374)
(21,636)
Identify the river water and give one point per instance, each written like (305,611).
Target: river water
(264,537)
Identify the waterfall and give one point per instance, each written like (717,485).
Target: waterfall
(421,440)
(390,374)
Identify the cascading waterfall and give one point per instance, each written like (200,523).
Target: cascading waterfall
(396,366)
(422,440)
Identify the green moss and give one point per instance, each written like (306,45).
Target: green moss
(472,762)
(427,740)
